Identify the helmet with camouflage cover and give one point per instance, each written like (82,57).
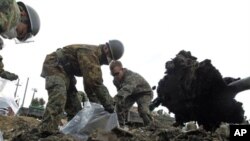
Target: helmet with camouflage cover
(116,49)
(34,20)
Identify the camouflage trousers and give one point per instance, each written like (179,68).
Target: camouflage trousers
(62,99)
(142,101)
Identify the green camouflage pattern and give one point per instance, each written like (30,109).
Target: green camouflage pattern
(133,88)
(5,74)
(82,96)
(133,83)
(83,60)
(9,15)
(143,101)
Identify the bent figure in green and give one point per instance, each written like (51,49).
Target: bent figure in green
(59,71)
(131,88)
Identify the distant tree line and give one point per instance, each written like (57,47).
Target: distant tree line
(38,102)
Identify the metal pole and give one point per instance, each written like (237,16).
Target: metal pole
(35,90)
(25,91)
(17,85)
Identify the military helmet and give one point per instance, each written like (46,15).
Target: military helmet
(34,20)
(116,49)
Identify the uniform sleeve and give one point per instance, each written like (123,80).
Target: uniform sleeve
(9,15)
(92,76)
(127,88)
(90,69)
(117,84)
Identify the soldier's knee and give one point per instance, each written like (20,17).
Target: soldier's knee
(55,82)
(143,110)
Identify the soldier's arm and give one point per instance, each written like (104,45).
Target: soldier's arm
(9,14)
(92,76)
(8,75)
(127,87)
(117,84)
(91,70)
(155,103)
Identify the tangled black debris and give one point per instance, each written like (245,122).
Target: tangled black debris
(196,91)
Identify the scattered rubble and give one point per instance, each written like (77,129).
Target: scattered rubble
(13,128)
(196,91)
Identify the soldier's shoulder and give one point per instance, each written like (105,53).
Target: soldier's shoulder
(9,14)
(9,6)
(81,46)
(132,73)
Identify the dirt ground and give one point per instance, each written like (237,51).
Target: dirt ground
(16,127)
(11,126)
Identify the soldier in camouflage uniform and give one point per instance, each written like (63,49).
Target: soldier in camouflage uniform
(17,20)
(131,88)
(59,69)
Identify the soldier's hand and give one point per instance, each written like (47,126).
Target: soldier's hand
(155,103)
(118,98)
(109,109)
(151,107)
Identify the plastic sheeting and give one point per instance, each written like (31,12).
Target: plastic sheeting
(6,102)
(90,118)
(1,136)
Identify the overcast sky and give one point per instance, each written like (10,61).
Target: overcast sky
(152,31)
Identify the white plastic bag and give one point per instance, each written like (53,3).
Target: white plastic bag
(1,136)
(6,102)
(79,120)
(91,117)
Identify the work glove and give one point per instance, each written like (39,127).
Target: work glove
(109,108)
(155,103)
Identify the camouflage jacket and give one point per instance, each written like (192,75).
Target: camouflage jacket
(83,60)
(132,83)
(9,15)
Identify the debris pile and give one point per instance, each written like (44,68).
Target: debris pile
(13,127)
